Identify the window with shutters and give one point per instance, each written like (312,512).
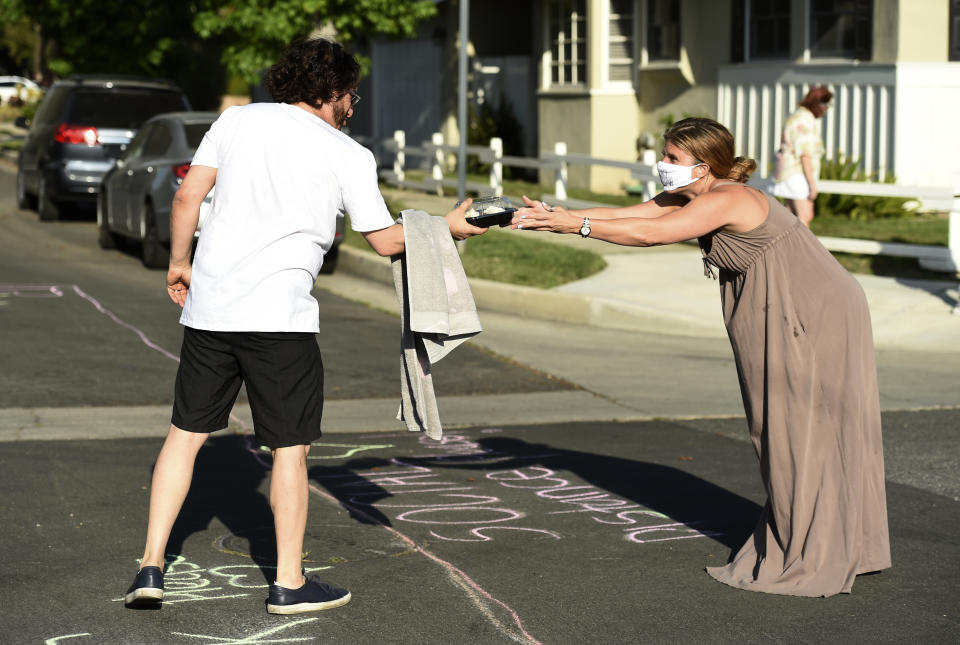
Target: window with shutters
(769,29)
(620,42)
(567,41)
(663,30)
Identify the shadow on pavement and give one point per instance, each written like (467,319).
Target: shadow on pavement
(937,289)
(226,483)
(683,497)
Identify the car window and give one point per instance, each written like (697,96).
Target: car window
(121,107)
(158,142)
(194,133)
(51,106)
(135,149)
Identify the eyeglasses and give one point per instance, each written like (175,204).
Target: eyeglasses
(354,98)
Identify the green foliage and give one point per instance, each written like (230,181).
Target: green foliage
(116,36)
(29,109)
(256,32)
(857,207)
(237,86)
(16,38)
(183,39)
(144,37)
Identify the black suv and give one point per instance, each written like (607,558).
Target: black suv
(82,126)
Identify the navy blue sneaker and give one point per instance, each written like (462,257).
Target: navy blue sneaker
(312,596)
(147,588)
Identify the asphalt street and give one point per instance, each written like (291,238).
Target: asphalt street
(566,533)
(609,472)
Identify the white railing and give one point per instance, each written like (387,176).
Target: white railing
(753,101)
(941,198)
(435,151)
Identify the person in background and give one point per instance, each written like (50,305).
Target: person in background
(798,159)
(800,331)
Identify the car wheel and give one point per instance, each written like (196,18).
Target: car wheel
(154,253)
(47,209)
(105,238)
(330,260)
(24,199)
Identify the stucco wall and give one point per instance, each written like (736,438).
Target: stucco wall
(614,131)
(924,31)
(565,117)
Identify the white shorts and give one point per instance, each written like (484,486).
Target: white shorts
(795,187)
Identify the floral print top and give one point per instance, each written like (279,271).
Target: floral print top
(801,136)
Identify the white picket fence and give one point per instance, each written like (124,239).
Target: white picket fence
(941,198)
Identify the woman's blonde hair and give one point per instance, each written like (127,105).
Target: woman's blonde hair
(710,143)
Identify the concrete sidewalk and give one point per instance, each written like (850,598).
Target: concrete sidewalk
(664,290)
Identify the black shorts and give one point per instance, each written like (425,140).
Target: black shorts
(283,373)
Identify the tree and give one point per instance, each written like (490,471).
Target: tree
(258,31)
(183,39)
(115,36)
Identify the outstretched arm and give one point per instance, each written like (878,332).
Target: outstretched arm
(674,224)
(389,241)
(660,205)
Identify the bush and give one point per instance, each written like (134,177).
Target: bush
(29,109)
(858,207)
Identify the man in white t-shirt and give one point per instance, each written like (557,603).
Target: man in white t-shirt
(284,172)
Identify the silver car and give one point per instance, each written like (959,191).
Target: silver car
(137,193)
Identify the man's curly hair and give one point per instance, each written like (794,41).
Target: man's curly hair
(313,71)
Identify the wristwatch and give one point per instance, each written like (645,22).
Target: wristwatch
(585,227)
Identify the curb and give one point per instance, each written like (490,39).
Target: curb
(546,305)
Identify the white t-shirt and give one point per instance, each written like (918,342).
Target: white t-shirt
(283,177)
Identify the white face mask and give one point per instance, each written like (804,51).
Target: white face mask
(673,176)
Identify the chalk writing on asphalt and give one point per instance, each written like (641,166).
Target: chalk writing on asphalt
(418,494)
(30,291)
(57,639)
(599,504)
(266,636)
(185,581)
(349,449)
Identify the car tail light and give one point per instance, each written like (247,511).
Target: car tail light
(67,133)
(180,171)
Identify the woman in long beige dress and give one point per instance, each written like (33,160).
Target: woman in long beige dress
(800,331)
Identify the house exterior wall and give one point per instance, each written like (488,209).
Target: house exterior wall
(926,136)
(922,32)
(888,111)
(613,135)
(567,118)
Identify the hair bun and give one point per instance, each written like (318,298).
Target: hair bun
(742,169)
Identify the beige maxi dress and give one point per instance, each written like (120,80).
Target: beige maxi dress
(800,330)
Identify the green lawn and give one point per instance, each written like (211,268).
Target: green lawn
(510,258)
(915,229)
(513,259)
